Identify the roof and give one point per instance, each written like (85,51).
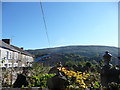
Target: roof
(13,48)
(22,51)
(7,46)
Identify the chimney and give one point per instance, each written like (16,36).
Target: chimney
(22,48)
(6,41)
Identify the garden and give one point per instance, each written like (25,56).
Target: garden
(77,75)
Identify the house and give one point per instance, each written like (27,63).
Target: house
(13,56)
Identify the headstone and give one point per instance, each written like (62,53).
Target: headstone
(108,72)
(57,82)
(54,69)
(21,80)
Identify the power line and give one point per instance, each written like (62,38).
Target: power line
(46,30)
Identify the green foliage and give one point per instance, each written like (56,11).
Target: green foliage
(40,80)
(96,85)
(38,75)
(114,86)
(88,64)
(39,68)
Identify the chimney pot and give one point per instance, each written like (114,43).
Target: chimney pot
(6,41)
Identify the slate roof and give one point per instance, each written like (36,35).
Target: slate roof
(13,48)
(22,51)
(6,46)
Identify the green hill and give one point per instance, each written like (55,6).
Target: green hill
(74,54)
(88,51)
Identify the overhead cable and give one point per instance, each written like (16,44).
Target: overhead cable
(44,20)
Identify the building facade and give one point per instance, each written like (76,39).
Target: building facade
(12,56)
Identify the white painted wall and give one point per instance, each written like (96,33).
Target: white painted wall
(8,57)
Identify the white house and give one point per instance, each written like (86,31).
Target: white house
(12,56)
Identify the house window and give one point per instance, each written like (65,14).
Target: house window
(9,64)
(10,55)
(5,65)
(7,55)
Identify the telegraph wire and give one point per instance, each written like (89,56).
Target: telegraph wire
(44,20)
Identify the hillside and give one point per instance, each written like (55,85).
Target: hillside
(89,51)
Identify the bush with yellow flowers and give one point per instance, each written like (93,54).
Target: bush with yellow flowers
(79,80)
(75,79)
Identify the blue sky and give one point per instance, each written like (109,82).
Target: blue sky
(68,23)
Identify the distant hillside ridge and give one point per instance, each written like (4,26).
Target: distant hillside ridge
(82,50)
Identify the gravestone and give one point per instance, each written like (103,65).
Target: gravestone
(21,79)
(54,69)
(57,82)
(109,73)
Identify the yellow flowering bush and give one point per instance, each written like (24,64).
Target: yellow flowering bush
(78,78)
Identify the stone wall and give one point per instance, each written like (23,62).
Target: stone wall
(33,88)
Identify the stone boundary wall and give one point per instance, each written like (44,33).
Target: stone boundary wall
(33,88)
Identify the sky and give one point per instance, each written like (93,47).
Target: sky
(68,23)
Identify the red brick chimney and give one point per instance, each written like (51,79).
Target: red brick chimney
(6,41)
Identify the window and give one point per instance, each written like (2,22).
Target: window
(7,55)
(10,55)
(9,64)
(5,65)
